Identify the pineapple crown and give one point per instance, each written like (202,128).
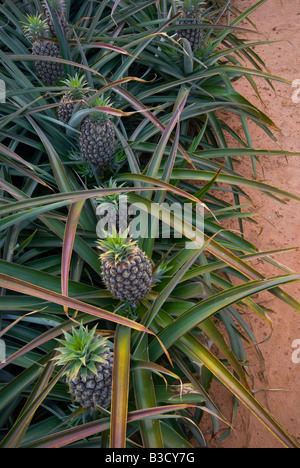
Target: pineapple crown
(117,248)
(77,85)
(190,6)
(100,117)
(113,198)
(35,27)
(82,349)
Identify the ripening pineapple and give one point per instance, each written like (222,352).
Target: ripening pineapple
(76,93)
(126,269)
(89,374)
(97,136)
(36,30)
(59,8)
(191,12)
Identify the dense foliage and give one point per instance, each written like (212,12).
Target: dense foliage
(121,97)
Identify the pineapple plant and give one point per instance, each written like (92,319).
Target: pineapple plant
(161,271)
(89,374)
(37,31)
(58,7)
(77,93)
(191,12)
(97,136)
(112,211)
(126,269)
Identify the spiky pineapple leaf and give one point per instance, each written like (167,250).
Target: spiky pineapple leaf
(78,349)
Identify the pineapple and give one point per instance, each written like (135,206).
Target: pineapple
(97,136)
(76,93)
(112,211)
(36,30)
(89,374)
(126,270)
(191,12)
(58,7)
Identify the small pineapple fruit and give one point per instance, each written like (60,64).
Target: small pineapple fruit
(58,7)
(113,211)
(77,92)
(191,12)
(89,374)
(36,30)
(126,270)
(97,136)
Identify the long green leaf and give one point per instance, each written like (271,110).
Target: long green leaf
(120,388)
(16,386)
(68,244)
(200,312)
(198,353)
(32,290)
(14,434)
(87,194)
(145,398)
(72,435)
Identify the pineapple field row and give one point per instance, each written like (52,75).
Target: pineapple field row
(116,322)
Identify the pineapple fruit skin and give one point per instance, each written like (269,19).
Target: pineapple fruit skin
(128,281)
(97,142)
(192,13)
(94,390)
(60,18)
(65,111)
(49,72)
(194,36)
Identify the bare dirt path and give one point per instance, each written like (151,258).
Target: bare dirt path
(278,387)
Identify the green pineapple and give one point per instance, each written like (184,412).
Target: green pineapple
(77,93)
(191,15)
(59,8)
(126,269)
(97,136)
(37,31)
(89,374)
